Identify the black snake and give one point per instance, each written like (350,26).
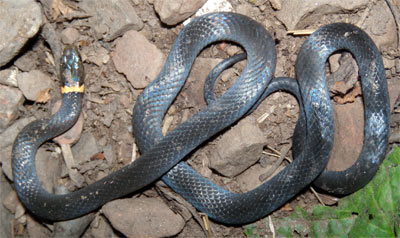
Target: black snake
(161,155)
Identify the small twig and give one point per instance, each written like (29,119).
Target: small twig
(134,149)
(95,100)
(304,32)
(50,58)
(181,203)
(275,166)
(277,156)
(271,226)
(74,175)
(278,153)
(365,14)
(206,223)
(50,35)
(97,78)
(266,114)
(316,195)
(68,156)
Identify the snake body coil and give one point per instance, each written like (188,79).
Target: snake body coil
(161,154)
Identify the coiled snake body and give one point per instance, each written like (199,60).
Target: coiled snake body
(161,154)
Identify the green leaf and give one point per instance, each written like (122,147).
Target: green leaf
(373,211)
(249,232)
(285,231)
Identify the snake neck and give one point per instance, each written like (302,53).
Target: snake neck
(36,133)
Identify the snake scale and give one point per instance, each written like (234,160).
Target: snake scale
(162,155)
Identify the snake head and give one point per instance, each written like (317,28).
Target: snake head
(72,72)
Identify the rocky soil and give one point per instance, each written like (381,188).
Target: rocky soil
(124,44)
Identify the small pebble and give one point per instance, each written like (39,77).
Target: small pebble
(35,85)
(69,35)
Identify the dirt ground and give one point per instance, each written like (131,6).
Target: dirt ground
(109,100)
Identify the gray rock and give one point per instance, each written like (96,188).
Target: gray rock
(8,136)
(5,216)
(6,162)
(334,61)
(36,229)
(10,99)
(111,19)
(7,139)
(92,165)
(35,85)
(19,21)
(110,114)
(381,26)
(309,11)
(100,228)
(9,77)
(137,58)
(249,179)
(48,169)
(125,148)
(85,148)
(192,229)
(347,74)
(239,148)
(95,54)
(394,137)
(72,228)
(143,217)
(69,35)
(394,91)
(397,65)
(388,62)
(109,154)
(276,4)
(19,213)
(195,82)
(172,12)
(27,61)
(10,201)
(243,9)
